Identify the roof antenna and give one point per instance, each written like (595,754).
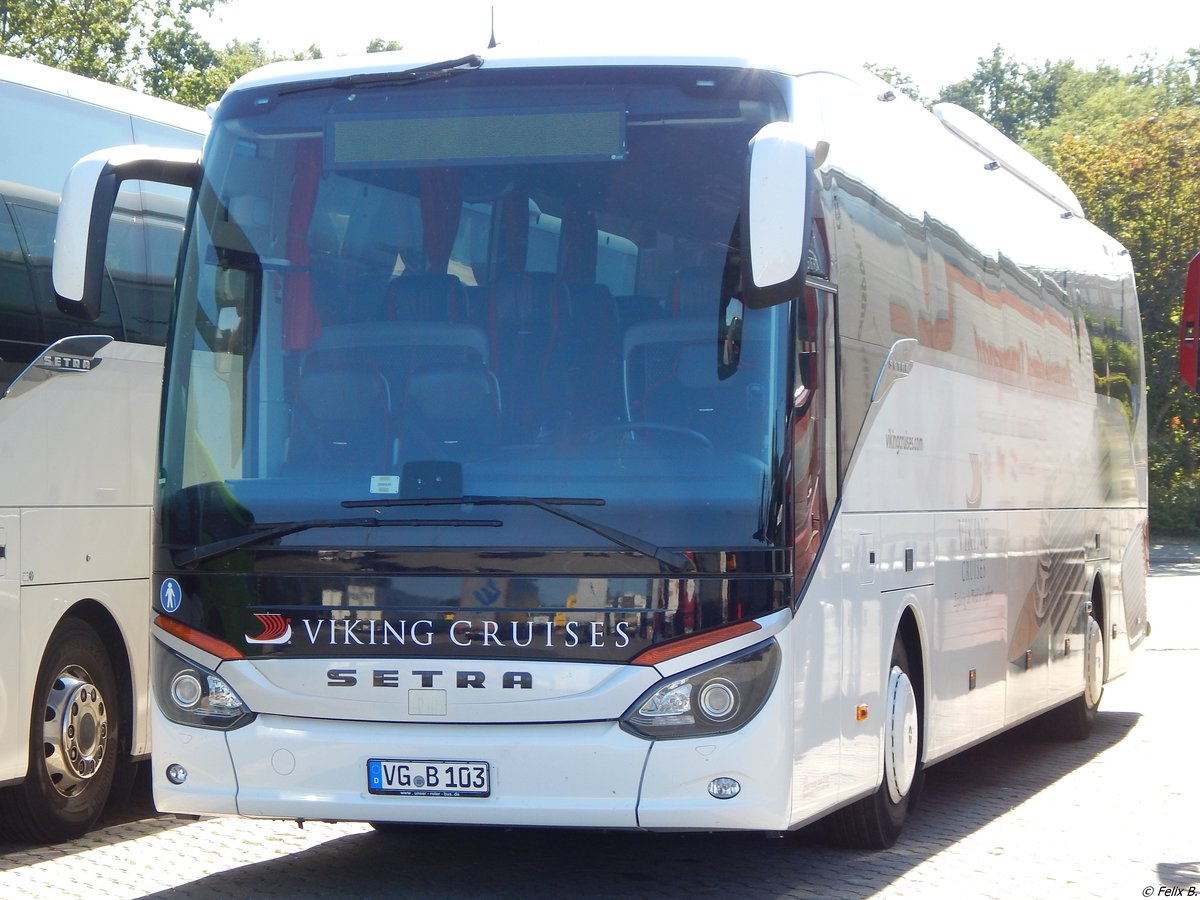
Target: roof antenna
(492,40)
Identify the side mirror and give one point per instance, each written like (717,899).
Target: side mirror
(1189,326)
(776,219)
(88,198)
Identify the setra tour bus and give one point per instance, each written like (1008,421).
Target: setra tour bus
(79,403)
(637,442)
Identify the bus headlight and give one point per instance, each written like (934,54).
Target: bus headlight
(716,698)
(190,694)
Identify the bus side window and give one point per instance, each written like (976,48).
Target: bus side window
(146,286)
(18,315)
(37,230)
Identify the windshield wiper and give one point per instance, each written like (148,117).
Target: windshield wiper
(430,72)
(269,532)
(673,560)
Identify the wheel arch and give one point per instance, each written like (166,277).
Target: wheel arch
(910,631)
(1100,612)
(874,821)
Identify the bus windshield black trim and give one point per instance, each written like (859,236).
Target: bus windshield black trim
(271,532)
(674,561)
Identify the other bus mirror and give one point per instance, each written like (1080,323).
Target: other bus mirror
(1189,326)
(229,324)
(232,290)
(227,340)
(729,337)
(776,220)
(88,197)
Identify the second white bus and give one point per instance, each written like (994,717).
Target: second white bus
(79,407)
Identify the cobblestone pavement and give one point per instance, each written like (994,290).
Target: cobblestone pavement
(1115,816)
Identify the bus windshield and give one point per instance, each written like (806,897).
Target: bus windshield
(492,285)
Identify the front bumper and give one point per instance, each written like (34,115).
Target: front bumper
(585,774)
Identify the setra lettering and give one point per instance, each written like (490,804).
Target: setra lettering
(427,678)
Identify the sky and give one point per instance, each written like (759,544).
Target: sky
(935,42)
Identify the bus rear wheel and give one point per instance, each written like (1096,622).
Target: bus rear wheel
(73,742)
(875,822)
(1073,721)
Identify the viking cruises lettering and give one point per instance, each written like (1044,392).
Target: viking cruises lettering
(480,635)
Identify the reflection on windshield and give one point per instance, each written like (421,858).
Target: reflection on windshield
(479,288)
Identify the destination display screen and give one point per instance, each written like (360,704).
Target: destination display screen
(460,139)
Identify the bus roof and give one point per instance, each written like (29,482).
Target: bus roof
(512,56)
(98,93)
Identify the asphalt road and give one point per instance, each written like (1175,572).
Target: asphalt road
(1117,815)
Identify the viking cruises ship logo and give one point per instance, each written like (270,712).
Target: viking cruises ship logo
(275,629)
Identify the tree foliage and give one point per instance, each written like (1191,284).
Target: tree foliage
(104,39)
(379,45)
(151,45)
(187,69)
(1016,98)
(194,73)
(184,67)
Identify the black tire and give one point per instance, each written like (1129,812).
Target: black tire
(73,742)
(1073,720)
(875,822)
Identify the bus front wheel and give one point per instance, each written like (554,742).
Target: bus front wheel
(875,822)
(73,741)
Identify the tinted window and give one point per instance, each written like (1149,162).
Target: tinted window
(37,230)
(18,317)
(141,261)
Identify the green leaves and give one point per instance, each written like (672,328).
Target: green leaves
(90,37)
(1015,98)
(149,45)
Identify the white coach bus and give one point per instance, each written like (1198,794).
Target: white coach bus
(79,408)
(650,443)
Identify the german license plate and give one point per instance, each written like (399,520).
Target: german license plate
(429,777)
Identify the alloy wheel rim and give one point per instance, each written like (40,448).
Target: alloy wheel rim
(75,733)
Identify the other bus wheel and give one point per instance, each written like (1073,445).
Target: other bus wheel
(72,743)
(874,822)
(1073,720)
